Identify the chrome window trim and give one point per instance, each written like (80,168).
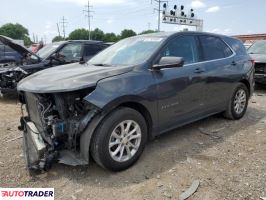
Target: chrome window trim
(207,61)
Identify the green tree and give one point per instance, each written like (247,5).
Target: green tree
(16,31)
(57,39)
(27,41)
(79,34)
(127,33)
(97,34)
(147,32)
(111,37)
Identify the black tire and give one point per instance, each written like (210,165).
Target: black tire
(231,113)
(100,141)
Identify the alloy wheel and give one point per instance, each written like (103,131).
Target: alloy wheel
(125,141)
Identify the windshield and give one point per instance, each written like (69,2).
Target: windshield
(130,51)
(258,47)
(47,50)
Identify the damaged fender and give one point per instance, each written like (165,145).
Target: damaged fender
(113,92)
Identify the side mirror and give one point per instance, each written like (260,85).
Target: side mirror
(82,61)
(169,62)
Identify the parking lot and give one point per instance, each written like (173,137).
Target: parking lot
(227,157)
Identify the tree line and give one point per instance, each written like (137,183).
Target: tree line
(19,32)
(98,34)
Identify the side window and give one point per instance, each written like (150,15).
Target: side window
(91,50)
(71,51)
(1,48)
(182,46)
(8,49)
(236,45)
(214,48)
(1,51)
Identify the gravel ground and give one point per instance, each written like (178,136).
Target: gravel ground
(228,157)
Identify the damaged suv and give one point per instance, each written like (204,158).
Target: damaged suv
(132,91)
(258,52)
(55,54)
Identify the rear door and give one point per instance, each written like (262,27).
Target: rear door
(180,90)
(218,59)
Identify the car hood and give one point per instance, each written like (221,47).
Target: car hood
(259,58)
(67,78)
(14,45)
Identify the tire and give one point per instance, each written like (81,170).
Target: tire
(232,112)
(110,133)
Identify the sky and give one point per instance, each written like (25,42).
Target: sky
(230,17)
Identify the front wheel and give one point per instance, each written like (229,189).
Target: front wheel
(238,103)
(120,139)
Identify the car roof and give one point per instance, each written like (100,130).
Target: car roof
(79,41)
(169,34)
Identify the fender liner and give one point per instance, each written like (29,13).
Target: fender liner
(86,137)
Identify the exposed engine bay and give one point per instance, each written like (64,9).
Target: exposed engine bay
(9,78)
(53,127)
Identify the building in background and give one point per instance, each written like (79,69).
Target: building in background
(248,40)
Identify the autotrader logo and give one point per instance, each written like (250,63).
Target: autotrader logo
(27,193)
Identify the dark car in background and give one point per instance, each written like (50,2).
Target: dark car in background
(8,55)
(258,52)
(55,54)
(132,91)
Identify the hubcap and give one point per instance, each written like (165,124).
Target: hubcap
(240,101)
(125,141)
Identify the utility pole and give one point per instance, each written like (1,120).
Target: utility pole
(33,36)
(64,22)
(88,14)
(159,2)
(58,29)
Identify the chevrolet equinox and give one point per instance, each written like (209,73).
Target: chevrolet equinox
(139,88)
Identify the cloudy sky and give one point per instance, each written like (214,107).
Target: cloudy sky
(221,16)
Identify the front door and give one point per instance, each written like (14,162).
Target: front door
(180,91)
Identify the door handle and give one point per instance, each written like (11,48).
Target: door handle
(199,70)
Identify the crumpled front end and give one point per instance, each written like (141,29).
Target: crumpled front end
(9,78)
(53,126)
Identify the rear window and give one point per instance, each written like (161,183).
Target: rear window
(236,45)
(214,48)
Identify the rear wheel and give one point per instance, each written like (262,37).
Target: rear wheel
(120,139)
(238,103)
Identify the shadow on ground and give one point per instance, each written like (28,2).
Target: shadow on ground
(170,149)
(9,99)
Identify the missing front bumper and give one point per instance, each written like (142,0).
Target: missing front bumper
(40,156)
(35,150)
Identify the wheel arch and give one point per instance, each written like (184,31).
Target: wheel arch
(143,111)
(130,102)
(247,84)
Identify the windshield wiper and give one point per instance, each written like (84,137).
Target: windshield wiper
(102,65)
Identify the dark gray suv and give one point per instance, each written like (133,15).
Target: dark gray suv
(132,91)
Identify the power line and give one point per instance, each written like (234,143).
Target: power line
(88,12)
(64,22)
(159,2)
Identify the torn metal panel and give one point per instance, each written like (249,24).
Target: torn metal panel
(53,128)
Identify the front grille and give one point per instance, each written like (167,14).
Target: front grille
(33,110)
(260,68)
